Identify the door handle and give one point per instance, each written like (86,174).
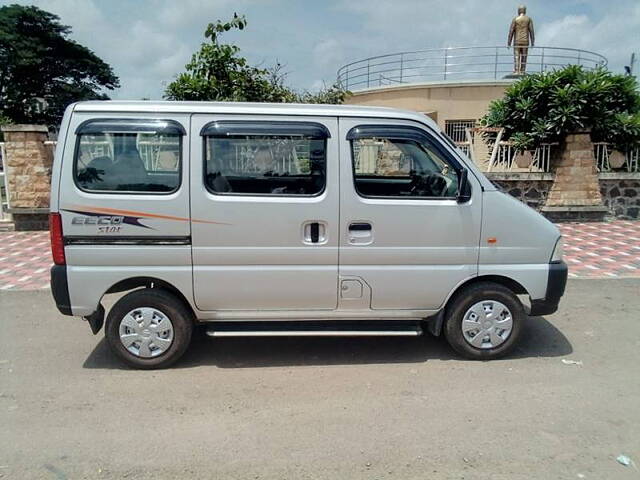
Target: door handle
(360,233)
(360,227)
(314,232)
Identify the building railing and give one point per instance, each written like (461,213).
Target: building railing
(457,63)
(504,159)
(465,147)
(506,155)
(603,151)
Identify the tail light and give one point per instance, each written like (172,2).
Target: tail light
(57,241)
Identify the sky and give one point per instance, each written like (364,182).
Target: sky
(148,42)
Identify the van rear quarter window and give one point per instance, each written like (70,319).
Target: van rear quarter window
(139,156)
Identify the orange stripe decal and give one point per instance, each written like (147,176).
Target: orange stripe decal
(134,213)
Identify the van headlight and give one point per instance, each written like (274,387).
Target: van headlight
(556,256)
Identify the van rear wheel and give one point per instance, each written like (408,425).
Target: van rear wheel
(484,321)
(149,328)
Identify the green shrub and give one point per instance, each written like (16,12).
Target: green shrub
(3,121)
(545,107)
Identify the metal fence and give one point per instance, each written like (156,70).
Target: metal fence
(504,159)
(603,151)
(465,147)
(457,63)
(506,156)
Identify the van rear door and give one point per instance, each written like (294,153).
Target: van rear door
(264,209)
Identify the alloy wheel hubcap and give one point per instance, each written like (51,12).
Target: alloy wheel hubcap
(146,332)
(487,324)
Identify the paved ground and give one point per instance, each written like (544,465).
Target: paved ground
(387,408)
(25,259)
(602,250)
(592,250)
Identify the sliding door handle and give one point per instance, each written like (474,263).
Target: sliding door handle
(314,233)
(360,227)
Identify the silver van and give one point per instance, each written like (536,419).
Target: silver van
(277,219)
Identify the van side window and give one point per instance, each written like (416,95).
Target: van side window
(123,155)
(260,160)
(406,166)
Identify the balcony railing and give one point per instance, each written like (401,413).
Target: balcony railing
(457,63)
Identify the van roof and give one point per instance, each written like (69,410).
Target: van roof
(251,108)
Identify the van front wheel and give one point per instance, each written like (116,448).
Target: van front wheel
(149,328)
(484,321)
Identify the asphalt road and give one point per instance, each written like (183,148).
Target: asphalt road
(376,408)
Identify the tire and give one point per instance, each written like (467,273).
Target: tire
(140,317)
(482,325)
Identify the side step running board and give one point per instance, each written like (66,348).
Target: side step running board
(314,329)
(316,333)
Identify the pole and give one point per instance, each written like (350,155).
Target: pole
(368,67)
(445,63)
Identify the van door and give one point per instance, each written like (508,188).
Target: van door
(403,231)
(264,210)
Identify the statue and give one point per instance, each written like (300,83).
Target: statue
(521,35)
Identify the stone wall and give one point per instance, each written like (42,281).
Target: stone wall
(28,163)
(576,181)
(620,191)
(621,194)
(28,170)
(529,188)
(575,193)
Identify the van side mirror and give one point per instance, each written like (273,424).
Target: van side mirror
(464,188)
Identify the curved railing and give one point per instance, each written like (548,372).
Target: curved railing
(457,63)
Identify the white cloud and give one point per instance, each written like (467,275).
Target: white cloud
(328,52)
(615,35)
(557,32)
(317,85)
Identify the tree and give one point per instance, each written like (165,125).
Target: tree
(218,72)
(41,70)
(545,107)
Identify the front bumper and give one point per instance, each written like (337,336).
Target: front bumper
(556,283)
(60,289)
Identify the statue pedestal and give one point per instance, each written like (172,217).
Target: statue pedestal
(575,193)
